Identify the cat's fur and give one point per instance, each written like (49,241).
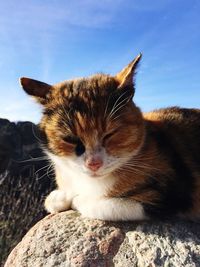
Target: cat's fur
(111,161)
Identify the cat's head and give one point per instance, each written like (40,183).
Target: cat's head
(91,122)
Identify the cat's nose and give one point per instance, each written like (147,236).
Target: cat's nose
(94,165)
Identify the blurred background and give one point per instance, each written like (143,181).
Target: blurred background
(57,40)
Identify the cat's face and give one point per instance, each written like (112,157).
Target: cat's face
(91,123)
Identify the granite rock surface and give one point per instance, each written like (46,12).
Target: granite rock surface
(68,240)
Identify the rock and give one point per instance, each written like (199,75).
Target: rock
(20,151)
(67,240)
(8,143)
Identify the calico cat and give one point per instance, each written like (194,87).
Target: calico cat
(111,161)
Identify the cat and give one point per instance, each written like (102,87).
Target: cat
(112,162)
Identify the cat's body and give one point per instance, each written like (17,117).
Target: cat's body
(111,161)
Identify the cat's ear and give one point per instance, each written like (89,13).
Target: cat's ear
(39,90)
(126,76)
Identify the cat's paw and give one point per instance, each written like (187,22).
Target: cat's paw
(57,201)
(108,209)
(77,202)
(86,207)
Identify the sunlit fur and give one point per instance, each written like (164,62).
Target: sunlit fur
(151,162)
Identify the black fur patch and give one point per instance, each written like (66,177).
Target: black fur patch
(176,192)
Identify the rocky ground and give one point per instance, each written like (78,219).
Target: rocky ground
(24,181)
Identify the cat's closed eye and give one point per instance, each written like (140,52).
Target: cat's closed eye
(108,136)
(71,139)
(74,140)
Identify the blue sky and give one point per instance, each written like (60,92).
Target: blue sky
(55,40)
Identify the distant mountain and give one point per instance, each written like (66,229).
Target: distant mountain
(25,179)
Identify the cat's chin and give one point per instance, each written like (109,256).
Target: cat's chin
(96,175)
(99,174)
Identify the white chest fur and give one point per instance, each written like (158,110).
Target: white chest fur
(88,195)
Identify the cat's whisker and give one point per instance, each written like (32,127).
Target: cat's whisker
(32,159)
(66,113)
(107,104)
(139,158)
(118,107)
(139,164)
(64,119)
(116,103)
(132,165)
(132,170)
(143,173)
(50,170)
(37,138)
(139,161)
(44,167)
(116,117)
(115,111)
(141,168)
(45,174)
